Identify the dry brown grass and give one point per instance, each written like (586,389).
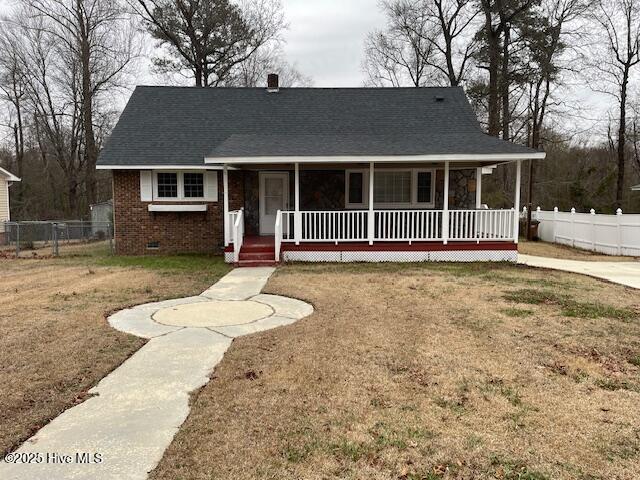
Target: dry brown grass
(55,342)
(552,250)
(425,372)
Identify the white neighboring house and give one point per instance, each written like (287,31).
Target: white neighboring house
(636,188)
(6,179)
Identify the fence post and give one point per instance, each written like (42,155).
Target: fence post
(619,227)
(17,240)
(593,229)
(110,233)
(573,227)
(555,219)
(54,239)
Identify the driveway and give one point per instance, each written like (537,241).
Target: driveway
(122,431)
(624,273)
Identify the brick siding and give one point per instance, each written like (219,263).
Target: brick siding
(185,232)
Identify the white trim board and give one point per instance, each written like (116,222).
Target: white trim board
(158,167)
(9,176)
(498,157)
(177,208)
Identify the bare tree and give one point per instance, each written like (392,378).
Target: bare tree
(428,41)
(100,35)
(54,96)
(546,42)
(253,71)
(13,93)
(207,39)
(619,24)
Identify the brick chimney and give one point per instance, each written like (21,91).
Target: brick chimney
(273,83)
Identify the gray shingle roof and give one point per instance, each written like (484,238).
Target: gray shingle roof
(183,125)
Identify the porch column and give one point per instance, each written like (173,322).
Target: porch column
(479,187)
(445,206)
(371,218)
(297,216)
(516,203)
(225,207)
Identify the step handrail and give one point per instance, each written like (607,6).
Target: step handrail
(278,235)
(238,235)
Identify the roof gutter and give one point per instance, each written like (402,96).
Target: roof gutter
(496,157)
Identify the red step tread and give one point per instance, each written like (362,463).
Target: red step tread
(256,263)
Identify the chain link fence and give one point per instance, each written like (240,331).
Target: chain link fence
(56,237)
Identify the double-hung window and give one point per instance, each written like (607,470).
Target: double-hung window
(392,188)
(184,186)
(167,185)
(193,185)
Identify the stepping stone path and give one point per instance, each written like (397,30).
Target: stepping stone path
(123,430)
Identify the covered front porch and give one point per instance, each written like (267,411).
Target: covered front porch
(378,211)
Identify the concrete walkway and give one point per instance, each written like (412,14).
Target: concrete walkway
(136,411)
(624,273)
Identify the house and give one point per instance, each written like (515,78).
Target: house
(636,188)
(308,174)
(6,179)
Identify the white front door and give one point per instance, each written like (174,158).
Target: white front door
(274,196)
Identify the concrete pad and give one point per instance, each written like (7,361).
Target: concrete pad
(235,331)
(240,284)
(170,303)
(139,323)
(623,273)
(139,407)
(214,313)
(285,307)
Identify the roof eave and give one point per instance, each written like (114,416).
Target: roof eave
(157,167)
(480,158)
(10,177)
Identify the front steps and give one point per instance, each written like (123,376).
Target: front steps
(257,252)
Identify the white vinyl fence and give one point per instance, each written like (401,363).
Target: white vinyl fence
(609,234)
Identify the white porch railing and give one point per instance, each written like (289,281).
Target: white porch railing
(396,225)
(479,225)
(237,233)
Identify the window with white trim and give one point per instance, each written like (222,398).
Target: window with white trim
(193,185)
(405,188)
(185,185)
(167,185)
(392,186)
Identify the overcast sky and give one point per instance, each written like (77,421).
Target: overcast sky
(325,38)
(325,41)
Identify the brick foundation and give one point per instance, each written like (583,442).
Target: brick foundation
(189,232)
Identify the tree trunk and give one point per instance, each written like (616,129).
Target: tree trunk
(504,84)
(493,44)
(622,132)
(91,150)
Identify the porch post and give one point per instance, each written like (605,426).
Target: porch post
(479,187)
(445,205)
(370,218)
(297,222)
(225,194)
(516,203)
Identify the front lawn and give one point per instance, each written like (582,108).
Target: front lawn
(56,343)
(426,372)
